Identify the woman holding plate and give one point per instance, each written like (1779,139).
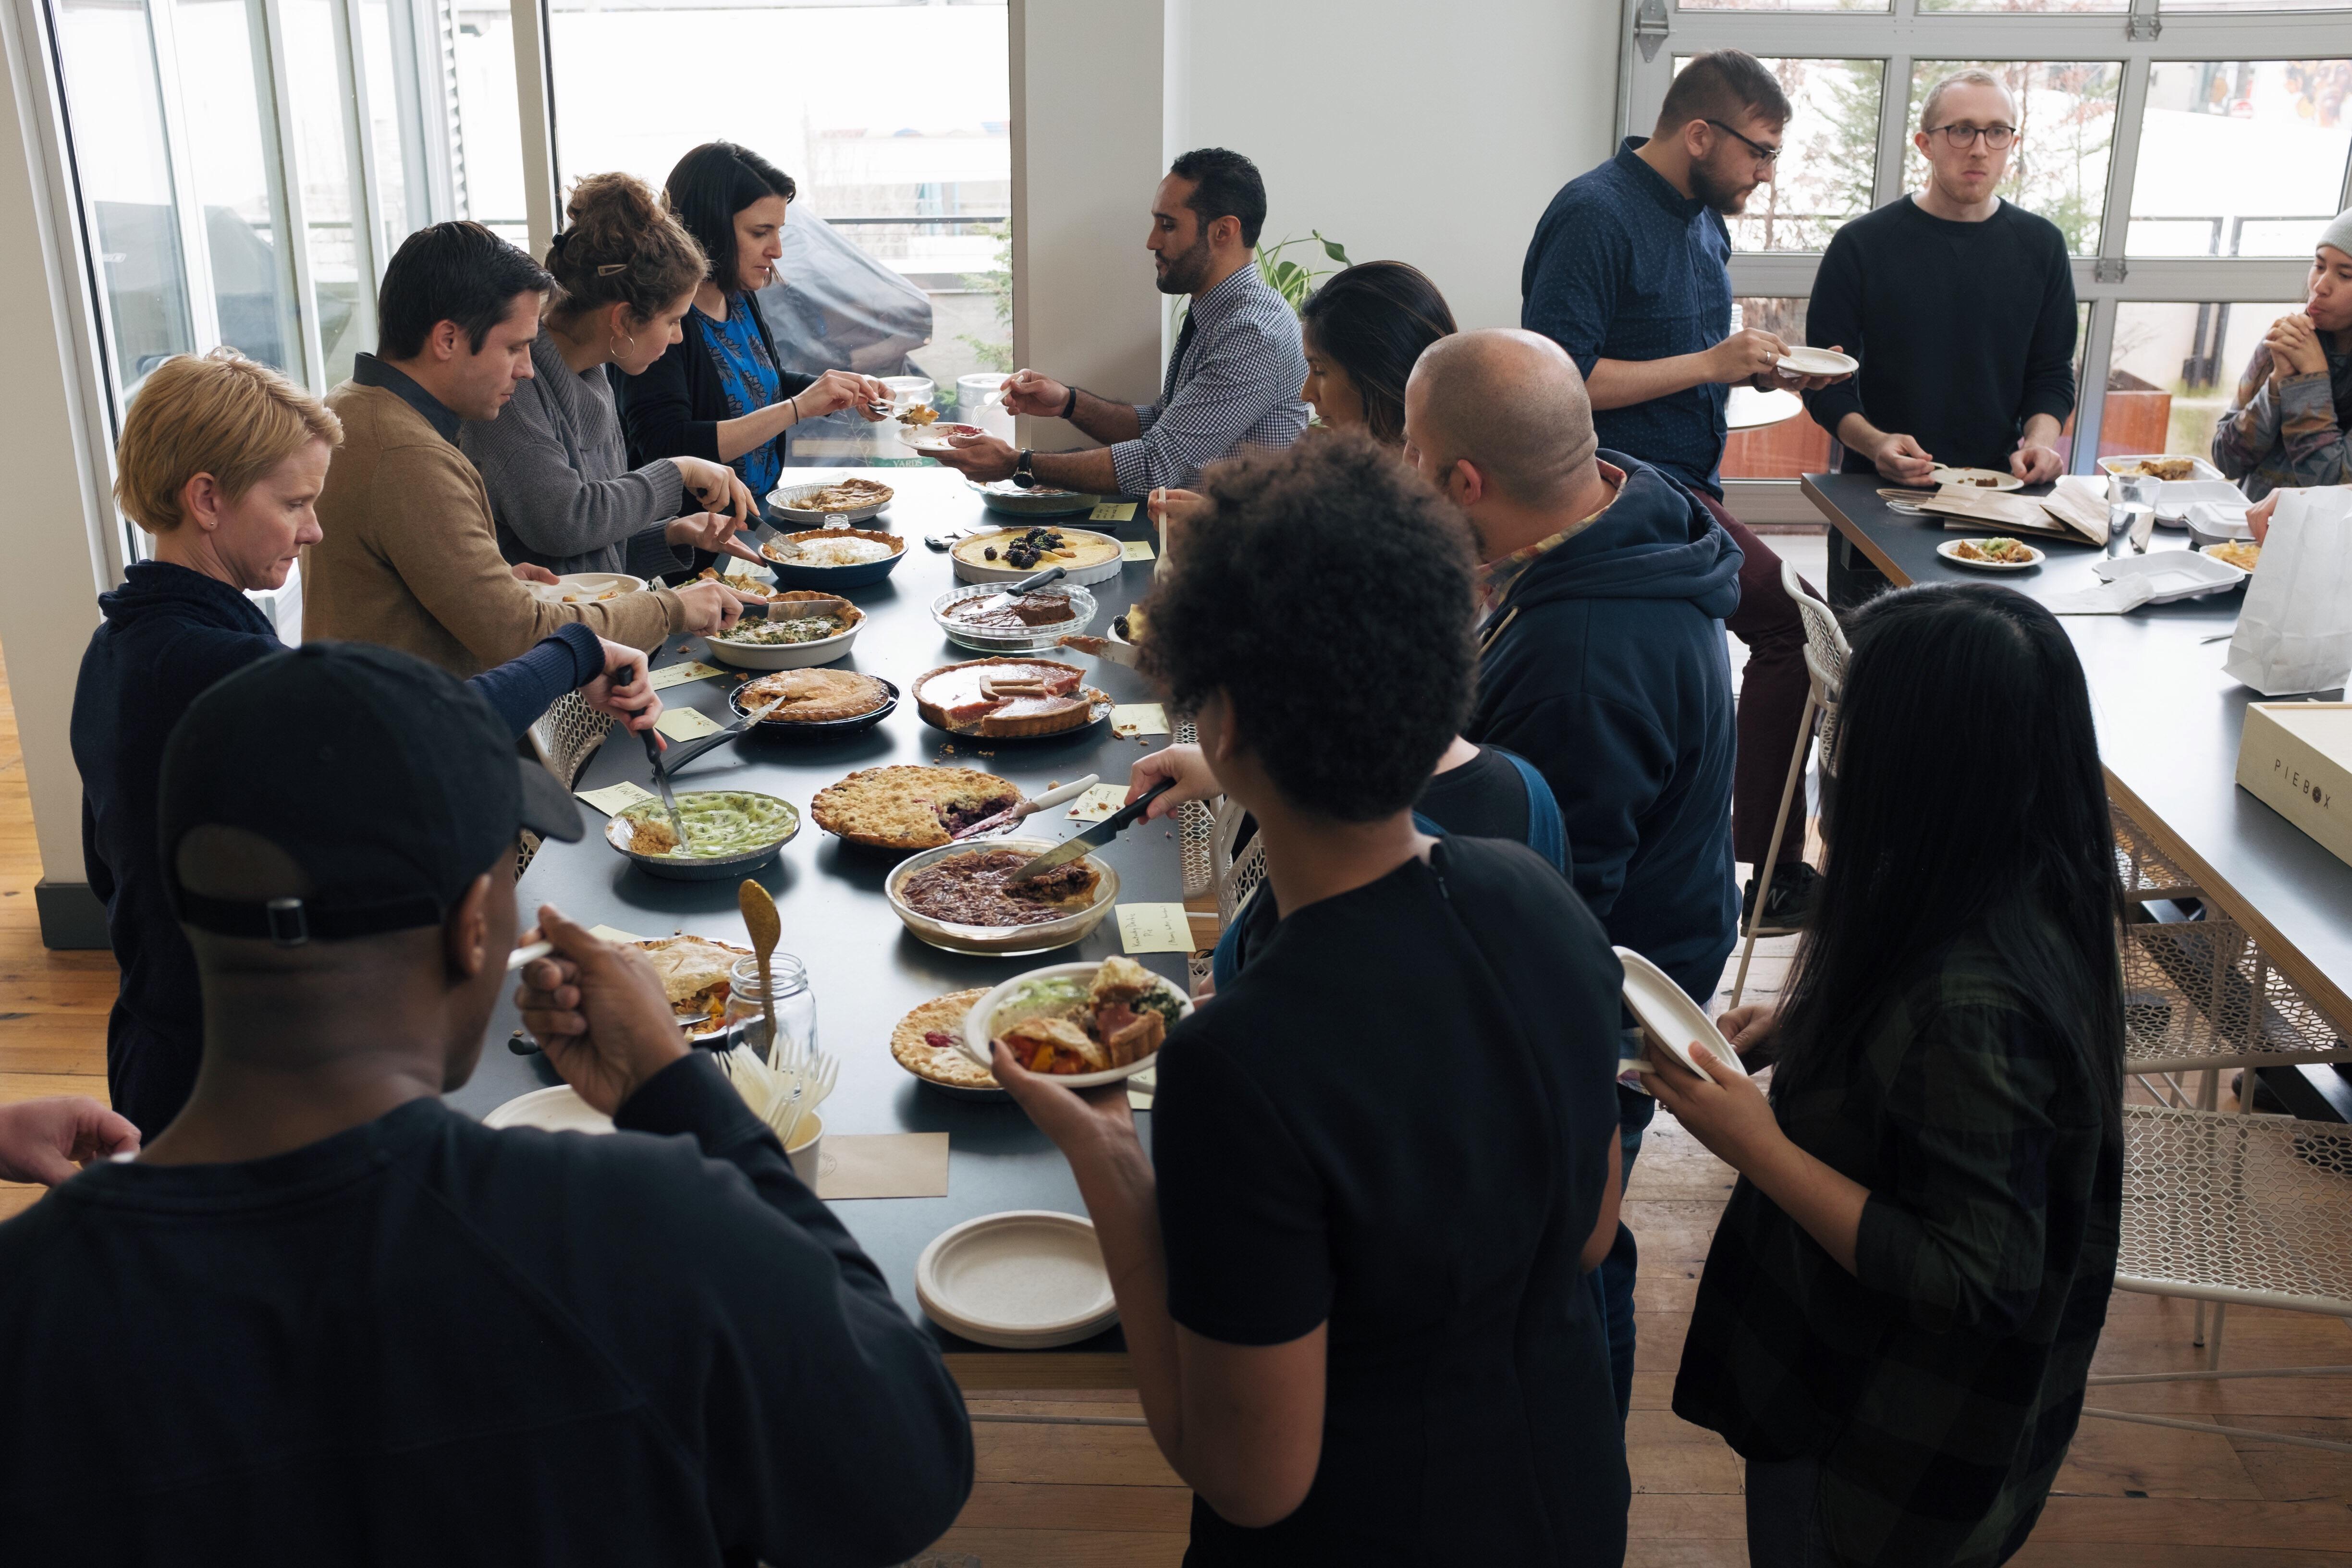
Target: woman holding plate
(1900,1305)
(725,394)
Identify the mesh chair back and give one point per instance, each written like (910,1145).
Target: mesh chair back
(567,735)
(1826,652)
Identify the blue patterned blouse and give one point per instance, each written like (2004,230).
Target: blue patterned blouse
(752,383)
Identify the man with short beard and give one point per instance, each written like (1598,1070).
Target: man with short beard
(1234,380)
(1629,272)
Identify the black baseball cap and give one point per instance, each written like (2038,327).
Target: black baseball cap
(390,783)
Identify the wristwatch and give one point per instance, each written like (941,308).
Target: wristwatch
(1023,474)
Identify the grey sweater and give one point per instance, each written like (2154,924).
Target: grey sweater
(561,492)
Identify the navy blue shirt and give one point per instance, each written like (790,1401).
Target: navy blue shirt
(1624,266)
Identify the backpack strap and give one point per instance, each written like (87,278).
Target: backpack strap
(1546,836)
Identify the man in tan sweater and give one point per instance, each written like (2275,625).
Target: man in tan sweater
(411,555)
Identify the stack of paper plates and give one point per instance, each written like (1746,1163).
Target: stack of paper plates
(1024,1279)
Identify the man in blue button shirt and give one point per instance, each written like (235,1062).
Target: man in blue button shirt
(1629,272)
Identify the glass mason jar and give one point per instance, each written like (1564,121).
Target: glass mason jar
(788,987)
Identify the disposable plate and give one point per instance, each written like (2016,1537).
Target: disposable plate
(1672,1017)
(2172,574)
(980,1023)
(1024,1279)
(1950,551)
(1977,479)
(556,1109)
(1817,362)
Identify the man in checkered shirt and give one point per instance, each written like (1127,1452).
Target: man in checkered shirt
(1235,376)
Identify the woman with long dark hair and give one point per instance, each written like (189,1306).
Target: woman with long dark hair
(1363,329)
(724,395)
(1900,1306)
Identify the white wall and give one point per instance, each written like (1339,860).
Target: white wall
(1433,132)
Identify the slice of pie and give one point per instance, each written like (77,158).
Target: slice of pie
(694,976)
(1007,698)
(908,807)
(812,696)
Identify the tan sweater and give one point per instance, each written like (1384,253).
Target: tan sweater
(411,557)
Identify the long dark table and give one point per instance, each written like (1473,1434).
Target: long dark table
(865,969)
(2170,723)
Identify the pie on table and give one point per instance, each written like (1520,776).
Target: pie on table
(925,1042)
(908,807)
(845,495)
(1077,550)
(813,696)
(694,976)
(1007,698)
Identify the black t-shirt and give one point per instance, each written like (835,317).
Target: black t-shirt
(423,1341)
(1965,330)
(1397,1120)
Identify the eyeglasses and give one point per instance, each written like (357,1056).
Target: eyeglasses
(1767,156)
(1959,138)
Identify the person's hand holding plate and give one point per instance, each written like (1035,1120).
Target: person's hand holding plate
(983,459)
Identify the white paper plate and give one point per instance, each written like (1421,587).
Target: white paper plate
(939,437)
(1817,362)
(1671,1016)
(1975,478)
(1025,1279)
(978,1024)
(556,1109)
(1949,551)
(584,587)
(2172,574)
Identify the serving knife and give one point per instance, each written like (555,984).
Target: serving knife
(653,740)
(1012,813)
(1094,838)
(667,763)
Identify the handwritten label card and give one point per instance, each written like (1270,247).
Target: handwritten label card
(1136,550)
(680,674)
(1098,803)
(686,724)
(614,799)
(1154,927)
(1113,511)
(1131,719)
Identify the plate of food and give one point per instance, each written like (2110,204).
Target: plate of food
(928,1043)
(1975,478)
(1025,1279)
(772,642)
(938,436)
(1006,699)
(986,619)
(1083,1024)
(905,806)
(586,587)
(695,977)
(2157,466)
(856,499)
(728,832)
(831,559)
(817,702)
(2243,553)
(1007,554)
(1039,500)
(1671,1017)
(1990,555)
(955,898)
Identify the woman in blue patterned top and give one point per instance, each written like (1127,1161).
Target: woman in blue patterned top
(723,393)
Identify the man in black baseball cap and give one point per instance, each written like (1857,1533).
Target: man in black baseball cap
(331,1320)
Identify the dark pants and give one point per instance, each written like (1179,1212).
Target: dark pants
(1612,1283)
(1771,695)
(1784,1514)
(149,1076)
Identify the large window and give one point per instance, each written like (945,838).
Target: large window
(2190,150)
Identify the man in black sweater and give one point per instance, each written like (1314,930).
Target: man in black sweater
(1961,309)
(325,1319)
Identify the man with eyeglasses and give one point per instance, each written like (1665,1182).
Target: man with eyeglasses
(1961,309)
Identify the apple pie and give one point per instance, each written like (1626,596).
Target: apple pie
(1006,699)
(812,696)
(909,807)
(695,977)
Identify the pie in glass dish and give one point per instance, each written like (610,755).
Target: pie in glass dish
(909,807)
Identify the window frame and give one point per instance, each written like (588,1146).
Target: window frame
(1656,31)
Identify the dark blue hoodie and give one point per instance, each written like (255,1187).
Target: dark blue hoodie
(169,634)
(1605,667)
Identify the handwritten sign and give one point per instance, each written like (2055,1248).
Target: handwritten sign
(1136,550)
(1154,927)
(1098,803)
(1131,719)
(614,799)
(686,724)
(1113,511)
(680,674)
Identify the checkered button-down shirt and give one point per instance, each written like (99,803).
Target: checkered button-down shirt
(1232,381)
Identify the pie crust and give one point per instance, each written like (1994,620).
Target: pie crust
(695,978)
(909,807)
(1007,696)
(813,696)
(1081,548)
(945,1065)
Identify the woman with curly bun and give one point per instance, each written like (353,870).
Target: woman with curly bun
(555,461)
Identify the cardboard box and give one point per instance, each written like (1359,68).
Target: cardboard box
(2296,757)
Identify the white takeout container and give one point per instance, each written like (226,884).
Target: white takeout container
(2172,574)
(980,1024)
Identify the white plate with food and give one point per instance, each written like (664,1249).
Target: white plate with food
(772,643)
(856,499)
(939,437)
(1080,1024)
(586,587)
(1008,555)
(1975,478)
(1024,1279)
(2173,575)
(1805,361)
(1990,554)
(728,832)
(928,1043)
(1671,1016)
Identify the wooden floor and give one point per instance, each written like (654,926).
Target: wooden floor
(1061,1496)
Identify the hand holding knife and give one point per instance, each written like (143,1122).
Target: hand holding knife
(1093,838)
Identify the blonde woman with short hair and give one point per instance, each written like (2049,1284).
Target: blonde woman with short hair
(221,462)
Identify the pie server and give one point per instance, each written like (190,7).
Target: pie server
(1012,813)
(665,763)
(1104,648)
(1094,838)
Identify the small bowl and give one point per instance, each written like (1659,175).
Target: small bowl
(833,579)
(811,730)
(1000,942)
(698,868)
(789,654)
(586,587)
(1032,640)
(980,1024)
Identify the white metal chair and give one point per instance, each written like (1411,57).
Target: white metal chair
(563,738)
(1195,826)
(1826,652)
(1234,876)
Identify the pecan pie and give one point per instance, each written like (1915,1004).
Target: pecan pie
(1008,697)
(906,808)
(813,696)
